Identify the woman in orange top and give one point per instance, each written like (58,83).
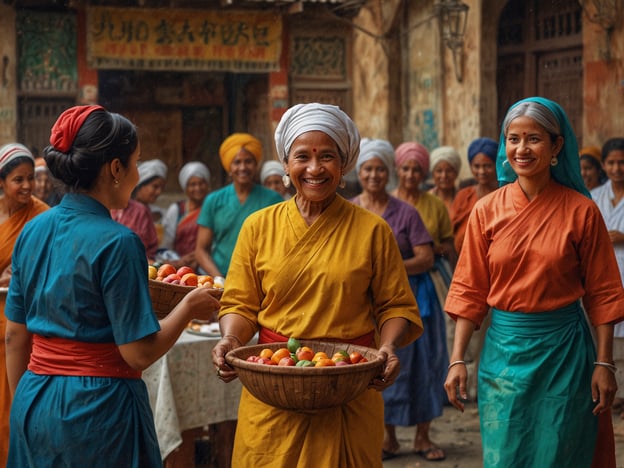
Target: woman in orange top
(17,207)
(533,250)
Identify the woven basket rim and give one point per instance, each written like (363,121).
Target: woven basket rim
(233,360)
(174,287)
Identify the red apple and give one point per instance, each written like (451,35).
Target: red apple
(171,278)
(286,361)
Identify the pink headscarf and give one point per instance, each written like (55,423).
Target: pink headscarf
(412,151)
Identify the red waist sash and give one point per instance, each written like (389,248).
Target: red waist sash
(269,336)
(59,356)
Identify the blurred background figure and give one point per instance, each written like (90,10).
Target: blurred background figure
(591,167)
(224,210)
(180,220)
(445,167)
(416,397)
(17,207)
(482,159)
(610,200)
(45,188)
(271,176)
(152,181)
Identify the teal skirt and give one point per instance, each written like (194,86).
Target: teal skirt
(535,400)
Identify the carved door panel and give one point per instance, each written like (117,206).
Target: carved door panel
(540,52)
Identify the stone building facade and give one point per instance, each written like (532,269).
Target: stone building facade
(383,61)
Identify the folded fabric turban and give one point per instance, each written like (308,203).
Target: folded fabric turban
(325,118)
(448,154)
(11,151)
(151,168)
(193,169)
(412,151)
(592,151)
(484,145)
(233,144)
(270,168)
(67,126)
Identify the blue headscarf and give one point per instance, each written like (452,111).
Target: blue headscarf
(568,171)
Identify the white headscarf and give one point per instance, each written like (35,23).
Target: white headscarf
(152,168)
(270,168)
(382,149)
(326,118)
(14,150)
(448,154)
(193,169)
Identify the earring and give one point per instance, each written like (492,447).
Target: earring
(343,183)
(286,180)
(116,182)
(554,161)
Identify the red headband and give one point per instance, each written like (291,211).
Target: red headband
(67,126)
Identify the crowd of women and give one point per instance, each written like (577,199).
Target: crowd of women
(521,286)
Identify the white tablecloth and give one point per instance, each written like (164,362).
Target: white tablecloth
(185,392)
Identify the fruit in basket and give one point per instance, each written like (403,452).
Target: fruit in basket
(286,361)
(165,270)
(152,272)
(279,354)
(173,278)
(304,353)
(189,279)
(183,270)
(293,344)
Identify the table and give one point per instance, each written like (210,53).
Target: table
(185,392)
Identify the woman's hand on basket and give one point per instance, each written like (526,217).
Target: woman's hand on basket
(202,303)
(222,368)
(391,368)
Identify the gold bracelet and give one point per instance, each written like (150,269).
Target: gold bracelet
(608,365)
(454,363)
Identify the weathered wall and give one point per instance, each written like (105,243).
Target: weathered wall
(603,82)
(8,73)
(375,54)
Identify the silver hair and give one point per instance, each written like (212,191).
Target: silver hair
(536,111)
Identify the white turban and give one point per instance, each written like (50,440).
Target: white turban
(325,118)
(12,151)
(152,168)
(193,169)
(270,168)
(448,154)
(382,149)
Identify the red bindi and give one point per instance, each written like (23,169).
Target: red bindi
(314,150)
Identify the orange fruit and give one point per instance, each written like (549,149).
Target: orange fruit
(166,269)
(355,357)
(279,354)
(189,279)
(183,270)
(304,353)
(319,355)
(324,362)
(266,353)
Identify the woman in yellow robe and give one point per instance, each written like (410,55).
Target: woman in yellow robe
(316,267)
(17,207)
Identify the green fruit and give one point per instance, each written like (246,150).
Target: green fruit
(304,363)
(293,345)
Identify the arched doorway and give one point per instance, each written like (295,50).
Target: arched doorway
(540,53)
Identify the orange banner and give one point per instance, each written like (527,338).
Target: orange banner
(177,39)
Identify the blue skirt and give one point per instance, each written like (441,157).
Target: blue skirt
(535,401)
(418,394)
(81,422)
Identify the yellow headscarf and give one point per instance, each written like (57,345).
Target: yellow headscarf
(233,144)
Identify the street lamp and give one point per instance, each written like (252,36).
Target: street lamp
(452,15)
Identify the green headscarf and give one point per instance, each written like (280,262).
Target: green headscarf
(568,171)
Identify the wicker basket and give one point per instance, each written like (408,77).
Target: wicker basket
(165,296)
(305,388)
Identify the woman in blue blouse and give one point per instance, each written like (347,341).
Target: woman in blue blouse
(80,325)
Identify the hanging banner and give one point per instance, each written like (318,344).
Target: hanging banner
(178,39)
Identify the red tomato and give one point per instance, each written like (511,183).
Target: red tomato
(355,357)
